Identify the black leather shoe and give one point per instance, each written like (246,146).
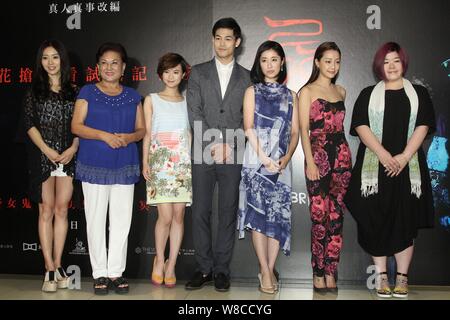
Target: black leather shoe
(119,285)
(320,290)
(221,282)
(101,286)
(198,281)
(334,290)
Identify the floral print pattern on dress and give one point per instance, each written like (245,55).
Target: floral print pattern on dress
(170,166)
(332,156)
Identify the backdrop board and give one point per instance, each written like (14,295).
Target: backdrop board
(148,29)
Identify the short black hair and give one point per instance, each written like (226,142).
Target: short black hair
(112,46)
(227,23)
(256,73)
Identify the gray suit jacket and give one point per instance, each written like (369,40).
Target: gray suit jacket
(207,110)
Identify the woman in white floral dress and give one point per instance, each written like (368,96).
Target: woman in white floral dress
(167,164)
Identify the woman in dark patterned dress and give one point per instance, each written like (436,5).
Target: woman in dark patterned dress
(271,126)
(51,150)
(327,162)
(390,191)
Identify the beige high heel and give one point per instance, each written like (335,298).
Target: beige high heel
(269,290)
(50,284)
(62,278)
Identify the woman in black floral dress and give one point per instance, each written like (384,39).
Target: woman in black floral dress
(327,163)
(51,150)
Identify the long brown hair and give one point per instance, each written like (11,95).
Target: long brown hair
(318,55)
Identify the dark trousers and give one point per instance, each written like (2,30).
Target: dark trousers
(204,179)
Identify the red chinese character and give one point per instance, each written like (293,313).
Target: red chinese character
(26,203)
(5,75)
(26,75)
(11,203)
(143,206)
(139,73)
(73,75)
(303,42)
(92,74)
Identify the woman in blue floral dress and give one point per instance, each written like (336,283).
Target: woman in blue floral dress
(271,126)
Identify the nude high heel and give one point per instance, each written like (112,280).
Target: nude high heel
(62,278)
(50,284)
(269,290)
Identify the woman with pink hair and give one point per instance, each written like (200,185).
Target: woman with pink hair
(390,192)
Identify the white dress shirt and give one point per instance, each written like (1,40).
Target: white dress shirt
(224,71)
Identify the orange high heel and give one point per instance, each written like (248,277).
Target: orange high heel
(171,281)
(157,279)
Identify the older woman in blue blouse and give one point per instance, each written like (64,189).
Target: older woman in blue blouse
(108,119)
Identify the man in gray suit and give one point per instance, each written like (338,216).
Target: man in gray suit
(214,96)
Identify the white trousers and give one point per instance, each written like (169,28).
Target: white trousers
(96,200)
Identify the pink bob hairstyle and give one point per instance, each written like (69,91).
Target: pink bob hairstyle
(378,60)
